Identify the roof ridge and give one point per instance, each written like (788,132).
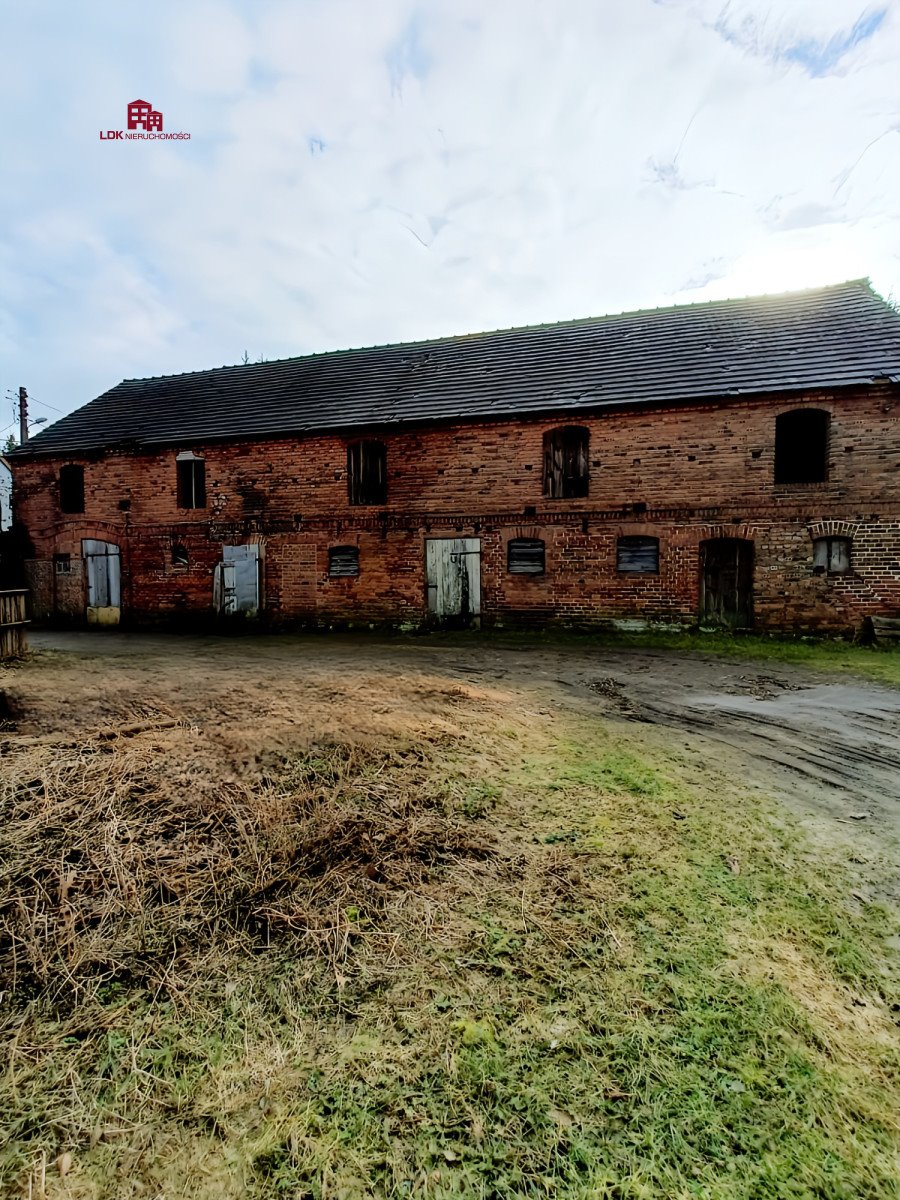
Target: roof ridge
(567,322)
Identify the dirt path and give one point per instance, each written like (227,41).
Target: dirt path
(829,747)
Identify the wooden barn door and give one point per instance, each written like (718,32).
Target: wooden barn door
(726,582)
(104,582)
(453,576)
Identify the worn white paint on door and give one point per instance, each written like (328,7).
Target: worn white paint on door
(236,581)
(453,575)
(104,581)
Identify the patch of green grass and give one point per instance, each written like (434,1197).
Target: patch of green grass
(674,1001)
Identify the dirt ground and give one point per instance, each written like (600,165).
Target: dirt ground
(454,915)
(827,746)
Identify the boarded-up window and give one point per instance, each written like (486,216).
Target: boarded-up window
(801,446)
(525,556)
(191,482)
(831,555)
(71,488)
(566,471)
(180,555)
(367,472)
(637,555)
(343,561)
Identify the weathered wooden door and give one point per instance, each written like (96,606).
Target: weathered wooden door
(453,575)
(104,582)
(236,581)
(726,582)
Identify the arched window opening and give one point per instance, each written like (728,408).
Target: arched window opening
(566,470)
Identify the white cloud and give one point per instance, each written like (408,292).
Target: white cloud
(363,173)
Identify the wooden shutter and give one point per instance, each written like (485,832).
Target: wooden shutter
(637,555)
(525,556)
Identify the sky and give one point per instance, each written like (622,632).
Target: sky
(370,171)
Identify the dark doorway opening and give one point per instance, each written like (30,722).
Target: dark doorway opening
(726,582)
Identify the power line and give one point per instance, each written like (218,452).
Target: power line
(44,404)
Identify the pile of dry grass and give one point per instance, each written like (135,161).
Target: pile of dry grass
(116,862)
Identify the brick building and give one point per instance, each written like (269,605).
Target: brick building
(732,462)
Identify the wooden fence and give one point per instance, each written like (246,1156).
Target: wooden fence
(12,623)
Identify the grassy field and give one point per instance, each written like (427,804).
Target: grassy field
(512,958)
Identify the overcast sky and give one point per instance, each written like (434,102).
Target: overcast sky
(365,171)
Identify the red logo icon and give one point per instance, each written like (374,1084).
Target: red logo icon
(142,115)
(145,124)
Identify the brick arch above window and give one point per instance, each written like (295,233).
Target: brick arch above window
(833,528)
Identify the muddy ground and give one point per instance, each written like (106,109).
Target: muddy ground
(827,746)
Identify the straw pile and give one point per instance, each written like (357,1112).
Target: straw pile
(116,862)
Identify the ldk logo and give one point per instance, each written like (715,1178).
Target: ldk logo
(141,115)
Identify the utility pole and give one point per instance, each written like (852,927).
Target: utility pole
(23,416)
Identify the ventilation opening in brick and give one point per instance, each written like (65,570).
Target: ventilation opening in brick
(71,488)
(525,556)
(191,482)
(343,561)
(801,446)
(637,555)
(367,472)
(566,470)
(831,555)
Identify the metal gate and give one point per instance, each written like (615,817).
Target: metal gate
(453,577)
(236,581)
(104,582)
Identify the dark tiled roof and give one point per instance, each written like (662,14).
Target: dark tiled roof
(826,337)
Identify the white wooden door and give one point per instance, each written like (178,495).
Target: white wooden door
(104,581)
(453,576)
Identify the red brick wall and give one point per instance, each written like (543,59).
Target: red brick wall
(681,475)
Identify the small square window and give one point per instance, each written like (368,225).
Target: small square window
(831,555)
(343,561)
(637,555)
(525,556)
(62,564)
